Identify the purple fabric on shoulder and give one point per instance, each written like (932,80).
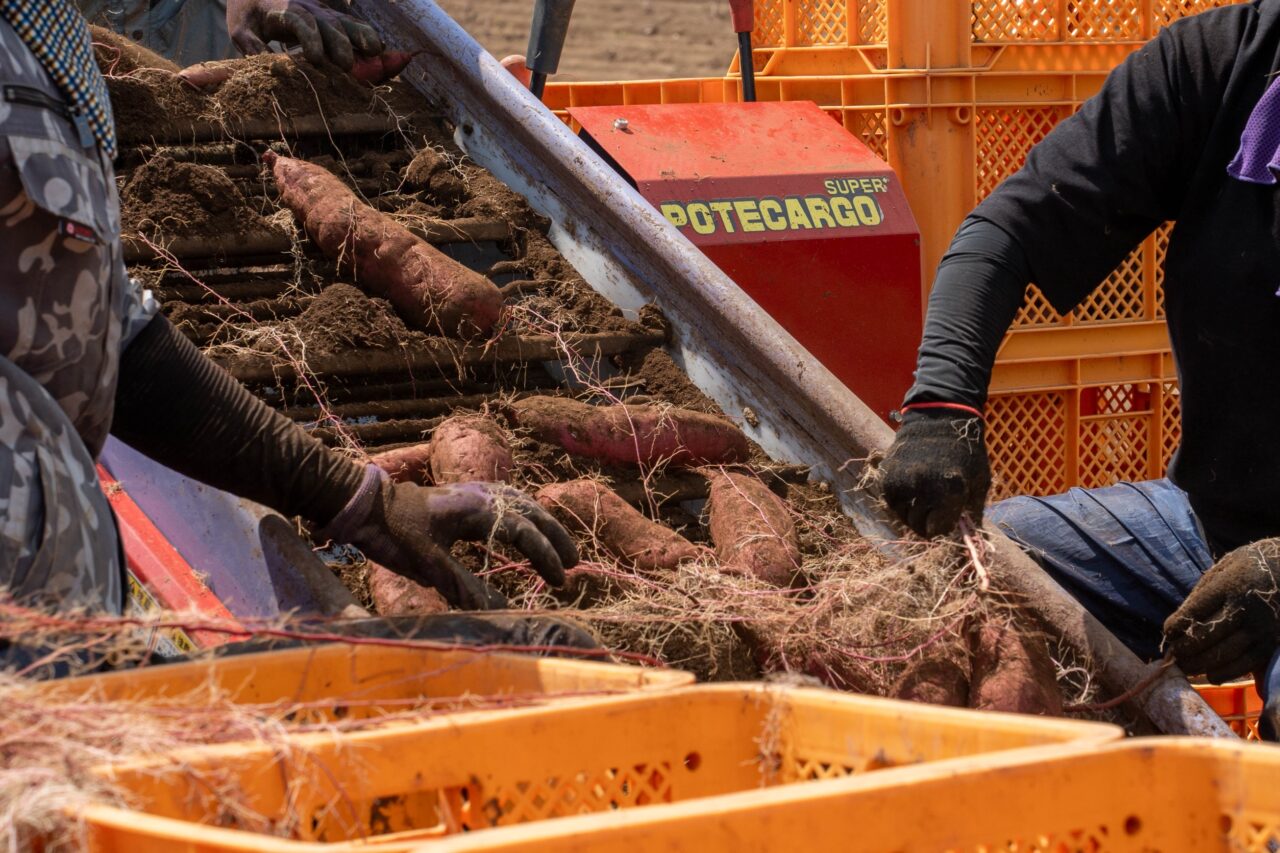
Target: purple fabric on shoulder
(1259,157)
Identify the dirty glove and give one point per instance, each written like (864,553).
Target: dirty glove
(409,529)
(1230,623)
(322,31)
(936,470)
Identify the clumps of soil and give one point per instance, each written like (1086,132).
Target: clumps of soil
(663,378)
(173,198)
(344,318)
(274,86)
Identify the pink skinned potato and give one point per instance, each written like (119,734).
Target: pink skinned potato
(590,508)
(631,435)
(397,595)
(411,464)
(429,290)
(469,448)
(752,529)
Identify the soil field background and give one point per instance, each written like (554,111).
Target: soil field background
(613,39)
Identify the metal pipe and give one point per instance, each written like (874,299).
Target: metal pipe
(737,354)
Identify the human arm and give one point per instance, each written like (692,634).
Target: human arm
(185,412)
(1096,186)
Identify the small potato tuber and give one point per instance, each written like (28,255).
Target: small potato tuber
(590,508)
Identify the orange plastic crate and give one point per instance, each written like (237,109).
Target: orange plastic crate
(1175,795)
(1237,703)
(393,786)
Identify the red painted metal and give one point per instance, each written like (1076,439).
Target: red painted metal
(798,212)
(159,578)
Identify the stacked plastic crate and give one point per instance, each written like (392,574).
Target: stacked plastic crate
(954,93)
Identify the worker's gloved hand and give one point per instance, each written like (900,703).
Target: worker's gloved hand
(409,529)
(322,31)
(936,470)
(1229,625)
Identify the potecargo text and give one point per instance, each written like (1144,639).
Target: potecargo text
(850,203)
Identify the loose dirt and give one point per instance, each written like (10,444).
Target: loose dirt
(167,197)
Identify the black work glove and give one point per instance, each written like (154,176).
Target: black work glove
(1229,625)
(322,31)
(936,470)
(409,529)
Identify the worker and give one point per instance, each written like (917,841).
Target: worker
(191,31)
(1187,129)
(84,353)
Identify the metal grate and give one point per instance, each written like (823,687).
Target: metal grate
(1027,441)
(821,22)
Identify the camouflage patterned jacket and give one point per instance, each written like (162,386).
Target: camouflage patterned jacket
(67,332)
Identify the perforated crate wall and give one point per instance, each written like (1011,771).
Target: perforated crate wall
(821,23)
(1044,442)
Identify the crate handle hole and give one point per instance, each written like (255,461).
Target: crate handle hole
(962,115)
(1132,825)
(693,760)
(898,116)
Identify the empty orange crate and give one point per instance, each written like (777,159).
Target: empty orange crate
(1175,795)
(344,681)
(392,786)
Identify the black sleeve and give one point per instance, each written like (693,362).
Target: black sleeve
(981,283)
(1111,174)
(185,412)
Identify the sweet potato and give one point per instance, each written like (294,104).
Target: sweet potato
(592,508)
(935,681)
(428,289)
(209,75)
(469,448)
(380,68)
(631,435)
(1012,672)
(752,530)
(407,464)
(396,595)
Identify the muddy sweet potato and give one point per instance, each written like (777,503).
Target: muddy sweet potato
(1012,671)
(428,289)
(396,595)
(469,448)
(631,435)
(410,464)
(752,530)
(590,508)
(381,68)
(935,681)
(210,75)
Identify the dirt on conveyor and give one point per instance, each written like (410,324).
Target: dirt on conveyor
(338,361)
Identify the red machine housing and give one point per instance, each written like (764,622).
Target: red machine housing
(798,212)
